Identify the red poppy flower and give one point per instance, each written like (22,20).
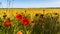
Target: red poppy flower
(19,16)
(41,21)
(25,21)
(7,23)
(19,32)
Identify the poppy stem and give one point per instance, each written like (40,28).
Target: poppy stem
(25,30)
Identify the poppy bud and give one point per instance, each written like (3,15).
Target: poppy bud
(37,15)
(33,21)
(41,15)
(55,13)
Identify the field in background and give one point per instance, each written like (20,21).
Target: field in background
(32,11)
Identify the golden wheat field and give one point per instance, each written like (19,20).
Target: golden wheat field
(31,11)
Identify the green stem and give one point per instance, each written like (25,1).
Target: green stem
(25,30)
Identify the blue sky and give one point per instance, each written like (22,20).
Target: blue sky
(29,3)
